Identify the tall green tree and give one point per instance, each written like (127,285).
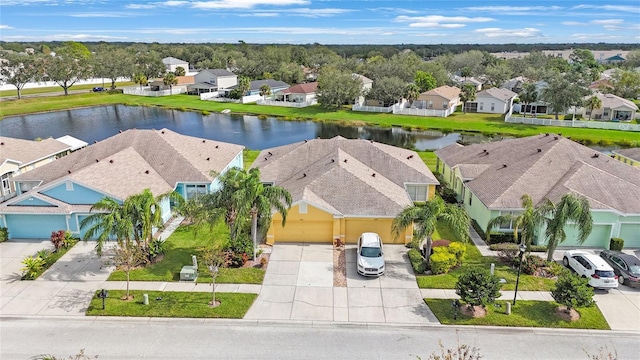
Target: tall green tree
(388,90)
(170,80)
(626,83)
(527,223)
(108,221)
(572,210)
(336,87)
(468,93)
(593,102)
(562,93)
(425,81)
(112,63)
(425,217)
(70,65)
(18,70)
(528,95)
(150,64)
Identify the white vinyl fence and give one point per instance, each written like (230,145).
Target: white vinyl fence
(569,123)
(147,92)
(379,109)
(287,103)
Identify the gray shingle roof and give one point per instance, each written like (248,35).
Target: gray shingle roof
(256,84)
(498,93)
(219,72)
(118,165)
(28,151)
(559,167)
(173,61)
(338,174)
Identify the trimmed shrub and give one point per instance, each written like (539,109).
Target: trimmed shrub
(458,250)
(61,238)
(417,261)
(501,237)
(439,243)
(572,291)
(448,195)
(4,234)
(531,264)
(616,244)
(478,287)
(32,266)
(442,260)
(554,268)
(513,246)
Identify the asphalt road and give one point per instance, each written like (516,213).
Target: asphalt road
(22,338)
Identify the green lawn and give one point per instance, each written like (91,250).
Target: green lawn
(429,158)
(249,156)
(173,304)
(485,123)
(52,89)
(525,313)
(473,258)
(179,248)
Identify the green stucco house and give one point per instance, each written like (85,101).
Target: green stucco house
(490,179)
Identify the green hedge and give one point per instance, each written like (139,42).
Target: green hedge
(442,260)
(513,246)
(616,244)
(417,261)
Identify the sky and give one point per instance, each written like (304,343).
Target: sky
(322,21)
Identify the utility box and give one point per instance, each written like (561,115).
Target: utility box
(188,273)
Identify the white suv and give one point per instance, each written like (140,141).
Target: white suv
(370,259)
(593,267)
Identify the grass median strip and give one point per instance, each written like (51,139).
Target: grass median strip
(526,313)
(172,304)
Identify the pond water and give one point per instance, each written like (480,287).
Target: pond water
(97,123)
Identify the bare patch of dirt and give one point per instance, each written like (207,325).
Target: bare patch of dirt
(339,267)
(127,298)
(565,315)
(213,305)
(473,311)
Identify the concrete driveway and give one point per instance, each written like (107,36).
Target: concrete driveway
(298,285)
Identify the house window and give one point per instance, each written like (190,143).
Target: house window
(417,192)
(195,190)
(509,224)
(445,104)
(470,198)
(430,104)
(493,106)
(302,208)
(69,185)
(5,184)
(480,105)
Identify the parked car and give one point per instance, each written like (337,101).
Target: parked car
(98,89)
(370,259)
(627,267)
(593,267)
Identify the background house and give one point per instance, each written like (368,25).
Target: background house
(18,156)
(171,64)
(212,80)
(342,188)
(614,108)
(441,98)
(492,101)
(490,179)
(59,195)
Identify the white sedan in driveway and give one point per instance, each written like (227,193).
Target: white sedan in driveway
(593,267)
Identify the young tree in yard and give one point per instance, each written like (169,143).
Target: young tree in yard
(170,80)
(593,102)
(244,84)
(127,256)
(528,95)
(425,81)
(180,71)
(18,70)
(412,92)
(214,259)
(425,217)
(525,224)
(571,208)
(141,79)
(336,87)
(265,90)
(572,291)
(478,287)
(468,93)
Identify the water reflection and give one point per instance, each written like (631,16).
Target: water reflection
(97,123)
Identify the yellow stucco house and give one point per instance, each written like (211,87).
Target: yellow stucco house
(342,188)
(628,156)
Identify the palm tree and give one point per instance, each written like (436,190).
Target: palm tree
(468,93)
(257,200)
(244,84)
(145,211)
(141,79)
(574,208)
(593,102)
(109,222)
(426,216)
(170,80)
(412,92)
(265,90)
(526,223)
(528,94)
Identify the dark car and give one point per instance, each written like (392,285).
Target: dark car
(98,89)
(627,267)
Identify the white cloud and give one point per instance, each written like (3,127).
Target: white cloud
(591,37)
(140,6)
(438,21)
(616,8)
(103,15)
(306,12)
(503,9)
(244,4)
(173,3)
(607,22)
(261,14)
(519,33)
(65,37)
(572,23)
(5,27)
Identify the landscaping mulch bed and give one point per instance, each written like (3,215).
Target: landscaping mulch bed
(339,267)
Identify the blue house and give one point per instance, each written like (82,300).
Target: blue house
(59,195)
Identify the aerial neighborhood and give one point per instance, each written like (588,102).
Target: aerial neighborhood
(543,207)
